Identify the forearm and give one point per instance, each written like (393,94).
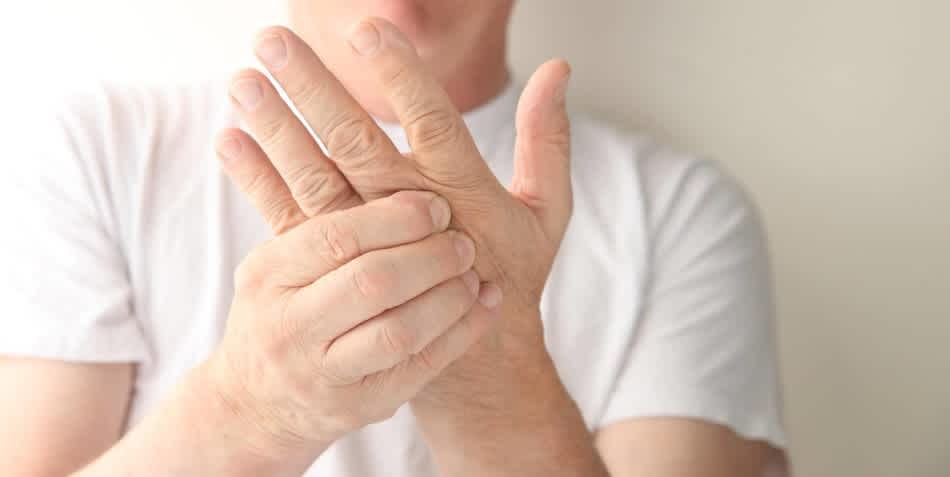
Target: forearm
(195,433)
(530,428)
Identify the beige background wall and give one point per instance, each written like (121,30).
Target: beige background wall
(835,113)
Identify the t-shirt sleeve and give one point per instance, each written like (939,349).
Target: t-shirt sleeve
(63,281)
(704,347)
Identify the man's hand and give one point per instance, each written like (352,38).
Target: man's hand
(444,157)
(508,379)
(339,321)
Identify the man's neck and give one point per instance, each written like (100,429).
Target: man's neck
(481,78)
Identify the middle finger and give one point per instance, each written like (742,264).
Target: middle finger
(314,181)
(353,140)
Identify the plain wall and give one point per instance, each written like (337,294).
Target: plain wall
(834,113)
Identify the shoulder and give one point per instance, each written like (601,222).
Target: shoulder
(98,119)
(667,180)
(101,146)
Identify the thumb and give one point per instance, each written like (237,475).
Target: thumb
(542,175)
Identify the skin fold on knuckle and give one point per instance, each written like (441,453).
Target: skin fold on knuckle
(396,338)
(333,369)
(281,215)
(353,142)
(337,239)
(250,275)
(433,129)
(306,95)
(427,362)
(309,185)
(373,282)
(272,132)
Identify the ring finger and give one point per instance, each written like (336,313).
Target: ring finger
(393,336)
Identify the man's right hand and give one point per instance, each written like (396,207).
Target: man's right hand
(339,321)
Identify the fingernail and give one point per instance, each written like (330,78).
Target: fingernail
(365,38)
(441,213)
(247,92)
(272,51)
(229,148)
(560,94)
(465,247)
(471,281)
(490,296)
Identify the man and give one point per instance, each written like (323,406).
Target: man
(395,325)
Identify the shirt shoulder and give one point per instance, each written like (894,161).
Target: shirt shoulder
(663,177)
(102,120)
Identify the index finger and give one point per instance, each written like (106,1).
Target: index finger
(328,242)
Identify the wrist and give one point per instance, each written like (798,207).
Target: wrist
(236,434)
(535,429)
(516,392)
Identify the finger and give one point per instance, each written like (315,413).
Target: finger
(542,175)
(355,143)
(406,380)
(441,144)
(248,167)
(314,180)
(328,242)
(397,334)
(378,281)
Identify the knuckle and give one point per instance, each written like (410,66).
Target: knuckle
(279,341)
(272,131)
(339,242)
(249,275)
(282,216)
(396,338)
(372,283)
(305,93)
(433,129)
(426,360)
(256,182)
(353,141)
(333,372)
(309,185)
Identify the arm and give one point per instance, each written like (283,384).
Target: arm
(677,447)
(72,411)
(518,421)
(704,347)
(196,433)
(76,412)
(394,303)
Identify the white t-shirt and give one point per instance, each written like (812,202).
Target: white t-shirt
(125,235)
